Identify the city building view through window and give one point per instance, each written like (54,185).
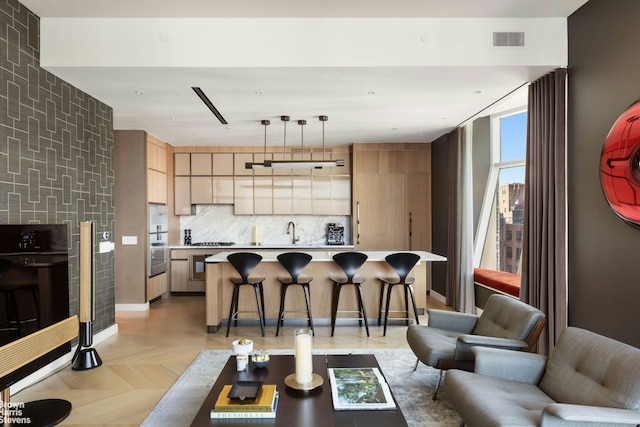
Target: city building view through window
(503,242)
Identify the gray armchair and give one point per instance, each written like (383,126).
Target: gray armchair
(446,341)
(589,380)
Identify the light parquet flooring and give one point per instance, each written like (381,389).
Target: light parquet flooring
(152,349)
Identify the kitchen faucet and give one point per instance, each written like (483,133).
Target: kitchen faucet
(294,239)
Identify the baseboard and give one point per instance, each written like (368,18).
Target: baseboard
(439,297)
(61,362)
(132,307)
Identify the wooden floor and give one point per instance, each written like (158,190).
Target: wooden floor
(153,348)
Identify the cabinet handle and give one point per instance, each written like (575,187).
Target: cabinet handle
(358,223)
(410,231)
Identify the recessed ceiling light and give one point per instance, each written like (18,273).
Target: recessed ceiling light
(477,92)
(139,92)
(259,92)
(371,92)
(443,118)
(175,119)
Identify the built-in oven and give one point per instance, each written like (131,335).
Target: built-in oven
(158,258)
(198,266)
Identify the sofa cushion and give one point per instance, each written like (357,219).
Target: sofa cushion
(432,344)
(488,401)
(590,369)
(507,317)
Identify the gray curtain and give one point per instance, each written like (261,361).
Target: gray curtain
(544,275)
(460,285)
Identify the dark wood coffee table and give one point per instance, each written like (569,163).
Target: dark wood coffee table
(299,408)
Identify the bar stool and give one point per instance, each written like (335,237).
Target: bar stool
(9,291)
(244,263)
(401,263)
(294,263)
(350,263)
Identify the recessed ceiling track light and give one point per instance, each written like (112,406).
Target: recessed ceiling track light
(209,104)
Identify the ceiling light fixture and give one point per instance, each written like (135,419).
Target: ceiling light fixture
(252,165)
(204,98)
(295,164)
(305,164)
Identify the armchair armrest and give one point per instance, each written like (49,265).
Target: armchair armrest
(509,365)
(464,323)
(580,415)
(465,342)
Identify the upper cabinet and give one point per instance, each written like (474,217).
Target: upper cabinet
(222,178)
(156,170)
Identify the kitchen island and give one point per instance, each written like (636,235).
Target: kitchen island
(219,288)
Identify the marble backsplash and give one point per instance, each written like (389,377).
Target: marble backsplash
(217,223)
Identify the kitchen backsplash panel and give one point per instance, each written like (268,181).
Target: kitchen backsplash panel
(217,223)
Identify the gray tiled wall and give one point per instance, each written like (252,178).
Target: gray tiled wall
(56,152)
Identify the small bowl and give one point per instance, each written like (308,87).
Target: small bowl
(242,346)
(260,359)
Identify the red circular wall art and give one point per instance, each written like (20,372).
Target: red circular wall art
(620,166)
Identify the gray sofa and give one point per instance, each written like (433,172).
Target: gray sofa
(589,380)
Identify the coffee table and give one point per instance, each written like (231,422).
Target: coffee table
(300,408)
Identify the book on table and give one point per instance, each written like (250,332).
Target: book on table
(359,388)
(264,406)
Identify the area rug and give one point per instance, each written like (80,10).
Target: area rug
(412,389)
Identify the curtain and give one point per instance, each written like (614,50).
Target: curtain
(544,275)
(460,287)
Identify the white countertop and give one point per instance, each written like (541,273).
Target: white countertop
(267,247)
(325,255)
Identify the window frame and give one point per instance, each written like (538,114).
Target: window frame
(496,166)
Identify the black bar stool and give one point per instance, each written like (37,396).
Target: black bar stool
(350,263)
(9,292)
(244,263)
(294,263)
(402,263)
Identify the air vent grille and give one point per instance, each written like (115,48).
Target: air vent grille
(508,39)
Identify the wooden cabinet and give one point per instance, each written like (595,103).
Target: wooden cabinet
(156,286)
(179,275)
(202,178)
(222,178)
(182,196)
(222,164)
(156,164)
(156,186)
(181,281)
(182,164)
(392,196)
(243,195)
(201,164)
(140,164)
(380,212)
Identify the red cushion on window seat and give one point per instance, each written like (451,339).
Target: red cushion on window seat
(506,282)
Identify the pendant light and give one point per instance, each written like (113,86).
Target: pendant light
(305,164)
(252,165)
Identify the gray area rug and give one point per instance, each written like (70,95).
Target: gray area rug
(412,390)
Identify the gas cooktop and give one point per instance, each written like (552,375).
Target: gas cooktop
(213,244)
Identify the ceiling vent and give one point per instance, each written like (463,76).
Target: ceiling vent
(508,39)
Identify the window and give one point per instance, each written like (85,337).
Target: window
(503,207)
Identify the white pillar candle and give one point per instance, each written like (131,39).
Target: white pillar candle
(304,361)
(256,234)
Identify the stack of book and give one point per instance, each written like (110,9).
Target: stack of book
(263,407)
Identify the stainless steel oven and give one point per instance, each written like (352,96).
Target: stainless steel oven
(198,266)
(158,241)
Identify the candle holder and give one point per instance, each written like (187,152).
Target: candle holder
(303,378)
